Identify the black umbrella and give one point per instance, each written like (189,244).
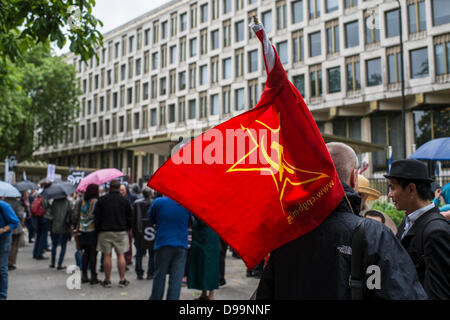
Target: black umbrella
(58,190)
(26,185)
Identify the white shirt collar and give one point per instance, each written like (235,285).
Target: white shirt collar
(411,218)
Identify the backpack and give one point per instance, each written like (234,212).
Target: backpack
(37,209)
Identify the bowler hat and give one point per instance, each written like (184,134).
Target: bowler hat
(409,169)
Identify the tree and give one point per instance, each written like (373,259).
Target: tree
(25,23)
(40,103)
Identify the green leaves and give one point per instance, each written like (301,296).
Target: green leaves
(37,104)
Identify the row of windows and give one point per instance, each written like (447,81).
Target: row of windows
(195,108)
(209,74)
(416,23)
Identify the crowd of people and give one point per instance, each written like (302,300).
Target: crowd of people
(414,257)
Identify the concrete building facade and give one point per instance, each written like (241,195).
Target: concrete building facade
(189,65)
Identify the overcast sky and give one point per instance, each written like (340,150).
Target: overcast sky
(114,13)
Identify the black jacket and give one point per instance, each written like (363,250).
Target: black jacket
(112,213)
(317,265)
(428,244)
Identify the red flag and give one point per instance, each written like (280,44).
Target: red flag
(260,179)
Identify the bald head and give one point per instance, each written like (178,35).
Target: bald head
(344,159)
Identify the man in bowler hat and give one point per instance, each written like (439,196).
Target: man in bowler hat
(424,232)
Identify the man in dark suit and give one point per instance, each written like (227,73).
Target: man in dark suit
(424,232)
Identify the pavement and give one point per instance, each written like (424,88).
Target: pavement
(34,280)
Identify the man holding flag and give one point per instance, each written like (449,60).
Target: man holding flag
(281,186)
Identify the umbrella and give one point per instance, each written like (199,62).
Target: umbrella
(7,190)
(437,149)
(99,177)
(26,185)
(58,190)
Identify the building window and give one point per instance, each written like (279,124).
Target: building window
(203,74)
(315,75)
(164,30)
(281,15)
(124,46)
(203,105)
(154,90)
(163,56)
(227,33)
(226,72)
(353,73)
(173,54)
(430,124)
(181,110)
(123,72)
(314,44)
(332,5)
(162,114)
(192,76)
(183,49)
(416,16)
(183,22)
(163,86)
(137,91)
(214,104)
(419,62)
(372,31)
(204,41)
(204,13)
(253,92)
(347,127)
(155,61)
(392,23)
(239,99)
(130,68)
(146,37)
(351,34)
(332,28)
(250,15)
(314,9)
(239,31)
(253,61)
(129,95)
(214,69)
(131,44)
(193,47)
(138,67)
(226,6)
(182,80)
(121,124)
(193,16)
(334,79)
(155,32)
(239,4)
(267,21)
(153,117)
(282,49)
(215,40)
(214,9)
(173,25)
(297,11)
(146,62)
(394,65)
(297,46)
(145,91)
(226,99)
(239,62)
(172,81)
(373,72)
(441,12)
(171,112)
(386,131)
(192,109)
(299,82)
(442,54)
(136,121)
(350,3)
